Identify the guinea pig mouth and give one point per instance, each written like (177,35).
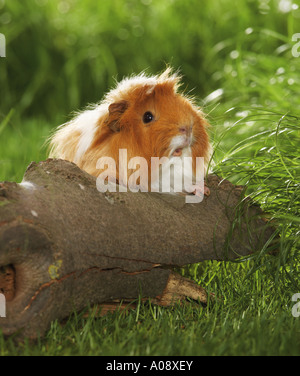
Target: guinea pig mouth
(179,144)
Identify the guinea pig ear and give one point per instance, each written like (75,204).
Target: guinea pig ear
(115,110)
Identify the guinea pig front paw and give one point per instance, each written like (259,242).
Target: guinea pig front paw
(199,191)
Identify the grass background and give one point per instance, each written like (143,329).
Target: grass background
(238,58)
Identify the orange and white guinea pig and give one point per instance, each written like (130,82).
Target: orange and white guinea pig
(147,116)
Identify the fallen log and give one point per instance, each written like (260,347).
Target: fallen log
(64,245)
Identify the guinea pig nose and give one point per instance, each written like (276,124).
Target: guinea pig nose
(186,130)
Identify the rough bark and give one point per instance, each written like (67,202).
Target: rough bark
(64,245)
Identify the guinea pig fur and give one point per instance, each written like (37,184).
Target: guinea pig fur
(147,116)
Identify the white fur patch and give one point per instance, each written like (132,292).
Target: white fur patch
(86,123)
(130,83)
(34,213)
(27,185)
(177,142)
(174,173)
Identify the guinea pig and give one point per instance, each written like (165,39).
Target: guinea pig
(147,117)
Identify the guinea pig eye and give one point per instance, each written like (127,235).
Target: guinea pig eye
(148,117)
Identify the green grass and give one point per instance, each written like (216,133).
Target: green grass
(56,57)
(21,142)
(248,318)
(252,312)
(255,130)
